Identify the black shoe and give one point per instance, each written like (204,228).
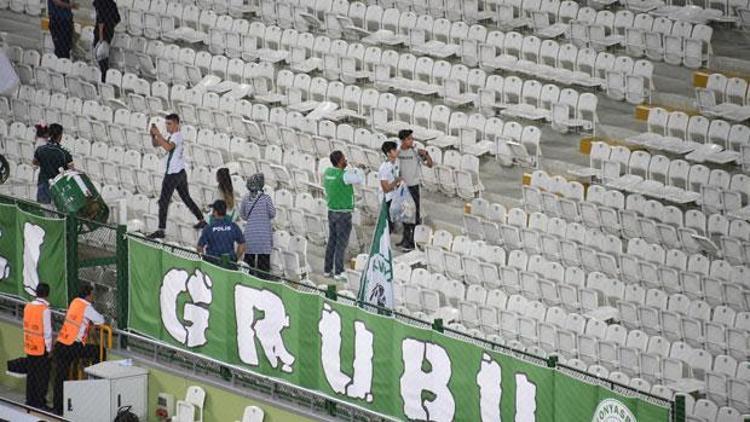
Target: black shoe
(46,409)
(199,225)
(159,234)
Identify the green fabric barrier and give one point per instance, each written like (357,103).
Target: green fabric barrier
(373,361)
(32,250)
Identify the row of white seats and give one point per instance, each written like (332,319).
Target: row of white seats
(697,138)
(671,180)
(539,196)
(724,98)
(29,7)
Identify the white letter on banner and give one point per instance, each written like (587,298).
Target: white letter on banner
(490,389)
(525,399)
(198,285)
(330,334)
(33,237)
(4,265)
(415,380)
(268,329)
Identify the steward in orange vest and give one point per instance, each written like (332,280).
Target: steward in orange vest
(71,340)
(37,343)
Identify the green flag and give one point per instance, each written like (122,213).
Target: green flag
(376,282)
(32,250)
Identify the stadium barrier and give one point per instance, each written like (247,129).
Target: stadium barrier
(355,356)
(374,361)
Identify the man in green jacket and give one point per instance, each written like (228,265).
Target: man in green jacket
(338,183)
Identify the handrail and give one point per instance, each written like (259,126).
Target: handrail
(104,329)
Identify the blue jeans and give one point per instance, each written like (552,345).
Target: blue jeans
(339,228)
(42,193)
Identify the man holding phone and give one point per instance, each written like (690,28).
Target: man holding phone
(175,177)
(409,162)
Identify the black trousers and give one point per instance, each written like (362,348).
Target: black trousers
(61,30)
(172,182)
(37,380)
(64,357)
(409,228)
(390,222)
(260,264)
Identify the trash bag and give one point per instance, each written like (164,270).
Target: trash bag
(101,51)
(125,415)
(403,209)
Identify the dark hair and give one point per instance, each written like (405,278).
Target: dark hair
(388,146)
(42,290)
(336,157)
(85,290)
(55,131)
(42,131)
(404,133)
(220,207)
(226,188)
(174,117)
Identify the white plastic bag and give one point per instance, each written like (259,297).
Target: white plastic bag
(101,51)
(403,209)
(8,77)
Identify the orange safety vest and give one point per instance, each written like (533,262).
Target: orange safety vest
(73,320)
(33,329)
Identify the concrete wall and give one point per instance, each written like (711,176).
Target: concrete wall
(221,405)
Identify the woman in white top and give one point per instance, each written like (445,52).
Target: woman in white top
(388,175)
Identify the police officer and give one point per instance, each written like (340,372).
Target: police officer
(50,158)
(218,239)
(37,344)
(71,341)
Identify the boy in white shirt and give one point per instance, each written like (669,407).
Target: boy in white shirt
(389,176)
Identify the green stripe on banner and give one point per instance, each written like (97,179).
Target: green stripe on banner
(32,250)
(347,353)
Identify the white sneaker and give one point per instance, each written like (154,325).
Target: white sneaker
(340,277)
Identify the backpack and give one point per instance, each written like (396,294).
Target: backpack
(125,415)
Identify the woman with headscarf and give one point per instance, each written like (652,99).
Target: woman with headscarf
(257,210)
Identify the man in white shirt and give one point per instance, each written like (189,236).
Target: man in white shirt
(37,343)
(175,177)
(410,161)
(71,340)
(388,175)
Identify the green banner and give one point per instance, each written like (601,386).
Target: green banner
(32,250)
(344,352)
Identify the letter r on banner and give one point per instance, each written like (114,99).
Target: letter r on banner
(267,330)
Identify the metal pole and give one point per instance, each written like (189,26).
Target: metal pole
(679,408)
(121,257)
(71,235)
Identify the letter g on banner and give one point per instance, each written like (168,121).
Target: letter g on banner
(195,312)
